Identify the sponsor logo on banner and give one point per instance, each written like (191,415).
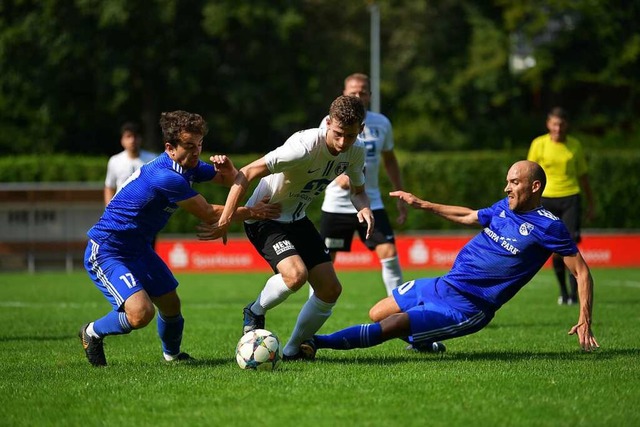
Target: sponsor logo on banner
(415,252)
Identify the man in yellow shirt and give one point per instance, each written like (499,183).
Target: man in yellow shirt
(563,160)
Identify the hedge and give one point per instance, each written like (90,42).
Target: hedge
(475,179)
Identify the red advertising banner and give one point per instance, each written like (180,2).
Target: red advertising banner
(415,251)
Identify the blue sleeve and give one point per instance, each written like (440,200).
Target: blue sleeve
(485,214)
(174,186)
(558,239)
(204,172)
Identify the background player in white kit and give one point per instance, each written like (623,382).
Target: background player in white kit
(294,174)
(130,159)
(339,222)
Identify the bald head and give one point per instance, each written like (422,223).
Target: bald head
(533,172)
(525,182)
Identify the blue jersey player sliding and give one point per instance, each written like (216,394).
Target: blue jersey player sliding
(518,237)
(119,257)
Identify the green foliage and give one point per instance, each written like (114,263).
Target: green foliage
(475,179)
(259,71)
(521,370)
(52,168)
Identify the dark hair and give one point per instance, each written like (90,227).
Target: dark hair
(132,127)
(174,123)
(558,112)
(537,174)
(347,110)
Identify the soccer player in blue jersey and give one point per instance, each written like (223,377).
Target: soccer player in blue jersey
(518,237)
(119,257)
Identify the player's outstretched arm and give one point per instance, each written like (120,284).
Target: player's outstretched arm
(225,170)
(260,211)
(256,169)
(200,208)
(578,267)
(457,214)
(361,202)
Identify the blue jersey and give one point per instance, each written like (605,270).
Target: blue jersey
(144,204)
(512,248)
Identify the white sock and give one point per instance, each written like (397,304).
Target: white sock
(391,273)
(311,318)
(91,332)
(274,292)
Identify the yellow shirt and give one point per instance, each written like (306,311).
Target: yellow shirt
(563,162)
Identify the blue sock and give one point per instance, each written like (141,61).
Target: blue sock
(170,332)
(359,336)
(114,323)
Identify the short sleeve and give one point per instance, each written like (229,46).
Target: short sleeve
(288,154)
(355,171)
(388,142)
(204,172)
(581,161)
(173,186)
(558,239)
(534,151)
(111,179)
(486,214)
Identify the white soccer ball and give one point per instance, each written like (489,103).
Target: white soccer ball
(259,350)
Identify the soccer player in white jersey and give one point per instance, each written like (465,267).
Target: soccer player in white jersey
(292,175)
(119,257)
(120,166)
(518,237)
(339,218)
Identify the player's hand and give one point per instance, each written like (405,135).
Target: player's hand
(343,181)
(402,212)
(365,215)
(265,210)
(213,231)
(222,164)
(585,337)
(407,198)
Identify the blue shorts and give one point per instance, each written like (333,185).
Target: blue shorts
(118,277)
(437,311)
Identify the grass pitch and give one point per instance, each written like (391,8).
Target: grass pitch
(523,369)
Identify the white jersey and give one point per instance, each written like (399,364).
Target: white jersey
(302,168)
(377,137)
(121,166)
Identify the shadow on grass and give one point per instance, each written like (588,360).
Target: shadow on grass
(510,356)
(537,324)
(35,338)
(202,363)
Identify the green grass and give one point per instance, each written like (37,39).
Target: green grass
(522,369)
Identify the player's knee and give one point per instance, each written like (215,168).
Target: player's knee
(382,310)
(375,314)
(140,316)
(386,251)
(296,277)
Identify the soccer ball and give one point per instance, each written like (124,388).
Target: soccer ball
(259,350)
